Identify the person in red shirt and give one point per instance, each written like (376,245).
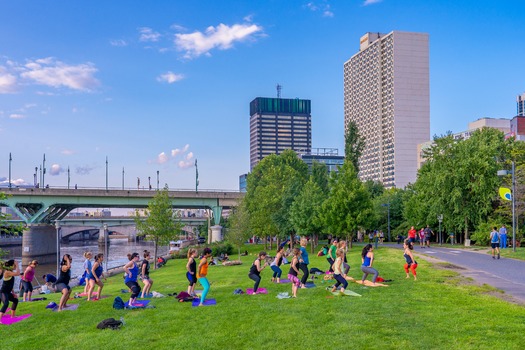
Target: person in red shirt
(412,234)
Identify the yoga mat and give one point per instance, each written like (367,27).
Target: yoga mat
(102,297)
(85,294)
(310,285)
(371,284)
(285,281)
(147,296)
(71,307)
(139,303)
(7,319)
(249,291)
(32,299)
(207,302)
(347,293)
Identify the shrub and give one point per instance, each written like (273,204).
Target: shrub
(482,234)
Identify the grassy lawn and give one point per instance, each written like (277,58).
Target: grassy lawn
(438,311)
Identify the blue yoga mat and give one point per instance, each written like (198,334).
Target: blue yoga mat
(207,302)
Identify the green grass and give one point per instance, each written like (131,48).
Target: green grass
(440,310)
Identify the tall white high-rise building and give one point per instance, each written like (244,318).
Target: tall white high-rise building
(386,93)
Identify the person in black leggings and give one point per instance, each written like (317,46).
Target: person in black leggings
(304,261)
(62,284)
(255,270)
(9,270)
(131,273)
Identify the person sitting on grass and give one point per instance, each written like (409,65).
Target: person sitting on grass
(27,278)
(95,276)
(255,270)
(338,271)
(62,285)
(8,271)
(411,263)
(202,272)
(131,273)
(294,272)
(367,259)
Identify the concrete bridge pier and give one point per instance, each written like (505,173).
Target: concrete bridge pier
(103,238)
(216,233)
(39,242)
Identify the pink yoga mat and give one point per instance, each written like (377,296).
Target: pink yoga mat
(249,291)
(85,294)
(7,319)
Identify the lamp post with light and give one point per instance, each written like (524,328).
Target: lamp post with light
(513,198)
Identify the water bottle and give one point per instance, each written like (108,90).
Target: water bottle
(122,320)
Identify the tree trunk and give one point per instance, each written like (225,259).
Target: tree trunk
(466,229)
(155,254)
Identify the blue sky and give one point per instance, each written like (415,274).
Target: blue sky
(154,85)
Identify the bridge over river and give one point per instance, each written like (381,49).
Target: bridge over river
(43,210)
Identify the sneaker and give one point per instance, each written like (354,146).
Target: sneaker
(493,257)
(498,255)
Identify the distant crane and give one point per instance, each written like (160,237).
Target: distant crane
(279,88)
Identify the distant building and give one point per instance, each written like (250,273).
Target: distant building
(328,156)
(386,93)
(242,182)
(517,128)
(278,124)
(520,105)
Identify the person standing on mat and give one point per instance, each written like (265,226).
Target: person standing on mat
(367,259)
(255,270)
(95,276)
(131,273)
(87,269)
(27,278)
(411,263)
(294,272)
(148,282)
(202,272)
(304,261)
(8,271)
(276,263)
(191,273)
(338,272)
(346,267)
(62,284)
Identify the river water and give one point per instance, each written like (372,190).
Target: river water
(118,250)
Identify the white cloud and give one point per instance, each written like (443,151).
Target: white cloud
(162,158)
(170,77)
(148,35)
(178,27)
(185,164)
(221,37)
(324,8)
(83,170)
(67,152)
(118,43)
(189,156)
(7,82)
(175,152)
(371,2)
(17,116)
(56,169)
(54,73)
(186,147)
(4,181)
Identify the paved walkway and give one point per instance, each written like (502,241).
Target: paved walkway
(505,274)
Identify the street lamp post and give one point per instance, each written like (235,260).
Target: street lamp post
(157,180)
(10,160)
(43,171)
(68,177)
(106,173)
(34,175)
(106,248)
(122,177)
(513,198)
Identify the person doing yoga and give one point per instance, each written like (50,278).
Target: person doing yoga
(255,270)
(338,271)
(131,273)
(95,277)
(191,273)
(276,263)
(202,272)
(9,270)
(294,272)
(144,269)
(411,263)
(367,259)
(62,285)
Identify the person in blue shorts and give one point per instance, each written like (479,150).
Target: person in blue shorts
(494,241)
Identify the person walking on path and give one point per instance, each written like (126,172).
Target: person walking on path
(27,278)
(412,234)
(428,235)
(202,272)
(503,237)
(494,241)
(367,259)
(255,270)
(411,263)
(304,261)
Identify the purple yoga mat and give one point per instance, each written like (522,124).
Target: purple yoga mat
(7,319)
(285,281)
(71,307)
(207,302)
(139,303)
(249,291)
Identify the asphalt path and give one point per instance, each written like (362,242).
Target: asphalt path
(505,274)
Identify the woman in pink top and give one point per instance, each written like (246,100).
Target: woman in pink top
(27,278)
(422,237)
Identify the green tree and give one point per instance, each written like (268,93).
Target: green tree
(354,144)
(320,175)
(305,211)
(348,206)
(239,230)
(160,223)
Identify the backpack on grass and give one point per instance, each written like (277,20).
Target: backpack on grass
(109,323)
(118,304)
